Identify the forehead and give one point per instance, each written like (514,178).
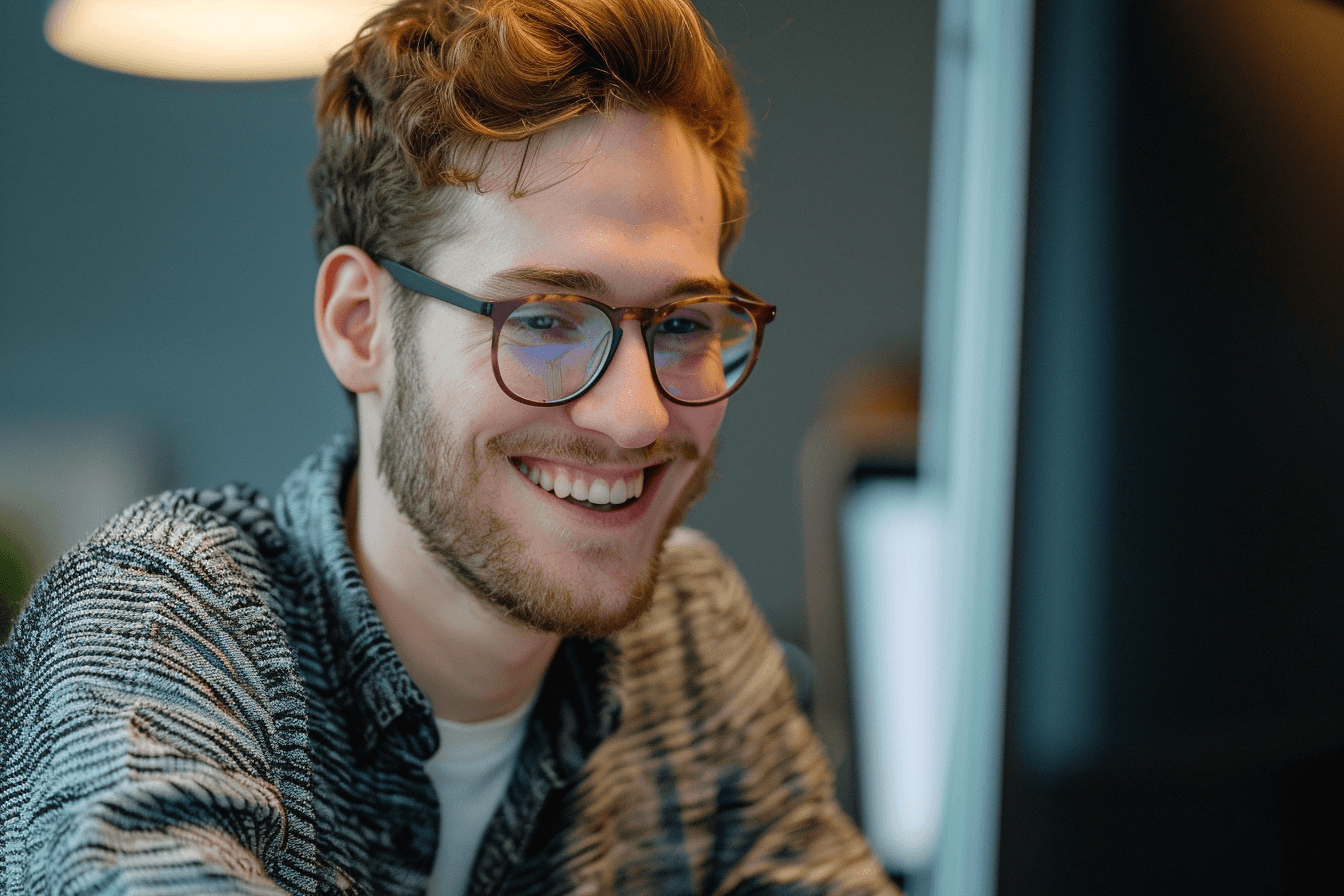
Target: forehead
(626,148)
(631,188)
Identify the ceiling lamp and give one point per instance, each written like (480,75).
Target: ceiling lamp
(207,40)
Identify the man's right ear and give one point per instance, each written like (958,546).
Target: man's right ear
(354,326)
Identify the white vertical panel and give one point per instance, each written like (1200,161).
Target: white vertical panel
(978,211)
(892,532)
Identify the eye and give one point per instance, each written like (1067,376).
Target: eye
(538,321)
(681,326)
(542,317)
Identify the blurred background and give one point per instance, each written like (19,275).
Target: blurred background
(1042,460)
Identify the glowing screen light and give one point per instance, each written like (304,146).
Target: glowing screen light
(206,40)
(900,658)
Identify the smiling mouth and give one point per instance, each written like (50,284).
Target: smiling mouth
(582,488)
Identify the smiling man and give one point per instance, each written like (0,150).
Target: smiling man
(548,487)
(467,651)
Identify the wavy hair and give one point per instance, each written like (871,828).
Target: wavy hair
(424,90)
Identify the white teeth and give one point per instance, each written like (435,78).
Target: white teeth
(599,492)
(565,484)
(563,487)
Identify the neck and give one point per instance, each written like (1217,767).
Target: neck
(471,662)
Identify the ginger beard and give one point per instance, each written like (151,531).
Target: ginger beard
(434,482)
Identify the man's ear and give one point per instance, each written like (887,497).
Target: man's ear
(351,310)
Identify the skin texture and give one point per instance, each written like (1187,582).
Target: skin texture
(463,556)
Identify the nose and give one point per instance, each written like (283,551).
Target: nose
(625,404)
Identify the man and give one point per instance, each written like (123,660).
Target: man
(467,651)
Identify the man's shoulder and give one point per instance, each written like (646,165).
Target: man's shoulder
(712,750)
(684,538)
(235,519)
(178,560)
(153,694)
(694,577)
(701,613)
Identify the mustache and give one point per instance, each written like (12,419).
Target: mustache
(590,451)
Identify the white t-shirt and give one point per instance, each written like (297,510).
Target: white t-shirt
(470,771)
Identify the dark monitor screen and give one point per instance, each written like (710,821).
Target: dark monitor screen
(1175,693)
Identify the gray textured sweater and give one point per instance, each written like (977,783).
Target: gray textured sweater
(202,699)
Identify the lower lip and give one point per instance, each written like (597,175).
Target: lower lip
(627,515)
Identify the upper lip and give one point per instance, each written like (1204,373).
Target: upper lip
(610,468)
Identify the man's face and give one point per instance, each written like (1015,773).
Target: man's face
(627,212)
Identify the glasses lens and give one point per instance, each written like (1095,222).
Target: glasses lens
(551,349)
(701,350)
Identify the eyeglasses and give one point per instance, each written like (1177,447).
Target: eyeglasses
(550,349)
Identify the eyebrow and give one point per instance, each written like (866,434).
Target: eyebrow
(580,281)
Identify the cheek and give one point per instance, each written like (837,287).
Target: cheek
(455,354)
(701,423)
(460,380)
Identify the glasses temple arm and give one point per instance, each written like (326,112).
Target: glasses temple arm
(418,282)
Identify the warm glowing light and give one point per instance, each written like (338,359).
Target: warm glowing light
(207,40)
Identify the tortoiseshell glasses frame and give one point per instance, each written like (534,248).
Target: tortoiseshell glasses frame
(683,338)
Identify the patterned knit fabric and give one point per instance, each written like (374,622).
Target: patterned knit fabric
(201,699)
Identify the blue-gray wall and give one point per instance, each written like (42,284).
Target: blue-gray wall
(156,268)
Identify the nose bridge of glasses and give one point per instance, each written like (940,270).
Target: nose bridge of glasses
(639,315)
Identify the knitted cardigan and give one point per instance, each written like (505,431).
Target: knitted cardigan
(201,699)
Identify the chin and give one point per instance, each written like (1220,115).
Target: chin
(558,610)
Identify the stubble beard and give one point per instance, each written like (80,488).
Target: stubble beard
(435,483)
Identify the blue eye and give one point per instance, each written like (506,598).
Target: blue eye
(538,321)
(680,326)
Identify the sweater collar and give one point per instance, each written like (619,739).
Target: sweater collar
(580,691)
(383,700)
